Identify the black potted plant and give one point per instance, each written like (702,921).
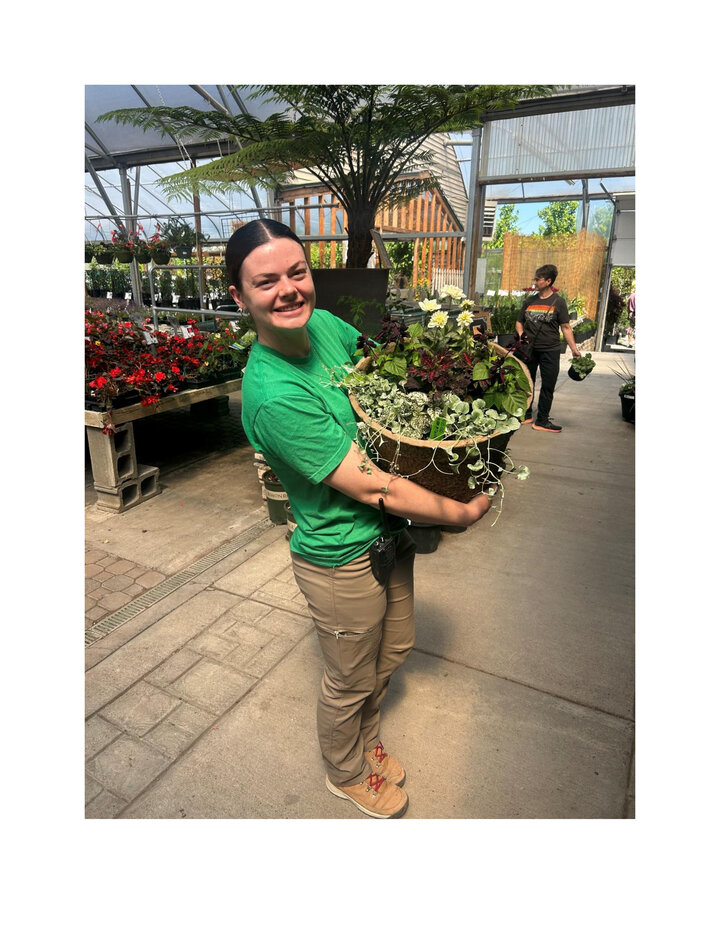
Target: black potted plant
(181,288)
(627,392)
(180,236)
(581,367)
(502,321)
(119,282)
(97,281)
(104,253)
(165,285)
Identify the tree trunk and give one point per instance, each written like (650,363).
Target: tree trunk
(359,223)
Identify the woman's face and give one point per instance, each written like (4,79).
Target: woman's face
(276,287)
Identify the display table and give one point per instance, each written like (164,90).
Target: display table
(120,482)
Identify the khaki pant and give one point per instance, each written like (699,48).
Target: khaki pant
(365,633)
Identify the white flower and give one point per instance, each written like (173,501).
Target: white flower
(523,472)
(452,291)
(464,319)
(438,319)
(429,304)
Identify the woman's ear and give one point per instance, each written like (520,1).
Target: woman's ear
(235,295)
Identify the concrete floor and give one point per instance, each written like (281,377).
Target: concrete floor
(516,703)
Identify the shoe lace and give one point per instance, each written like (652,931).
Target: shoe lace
(379,752)
(374,782)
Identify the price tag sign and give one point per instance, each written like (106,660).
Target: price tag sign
(149,337)
(185,332)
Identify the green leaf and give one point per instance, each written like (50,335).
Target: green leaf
(513,402)
(437,431)
(395,366)
(481,370)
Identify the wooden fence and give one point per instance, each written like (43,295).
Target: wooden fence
(428,213)
(579,258)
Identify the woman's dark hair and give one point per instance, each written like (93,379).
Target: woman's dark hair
(249,237)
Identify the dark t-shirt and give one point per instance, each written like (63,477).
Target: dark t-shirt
(541,319)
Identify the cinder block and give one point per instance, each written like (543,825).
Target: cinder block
(131,492)
(113,455)
(261,466)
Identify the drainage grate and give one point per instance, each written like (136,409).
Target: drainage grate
(113,621)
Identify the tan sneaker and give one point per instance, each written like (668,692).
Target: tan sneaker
(374,796)
(385,765)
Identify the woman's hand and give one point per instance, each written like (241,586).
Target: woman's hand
(479,506)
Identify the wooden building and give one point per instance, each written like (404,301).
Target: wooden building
(310,209)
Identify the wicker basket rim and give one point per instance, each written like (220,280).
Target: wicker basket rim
(431,444)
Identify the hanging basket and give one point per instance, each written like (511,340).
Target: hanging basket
(183,252)
(122,254)
(105,255)
(160,256)
(427,462)
(142,253)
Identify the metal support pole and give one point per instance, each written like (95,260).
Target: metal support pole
(475,217)
(135,282)
(602,310)
(198,243)
(585,204)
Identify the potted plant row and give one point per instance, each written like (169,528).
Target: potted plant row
(128,360)
(437,403)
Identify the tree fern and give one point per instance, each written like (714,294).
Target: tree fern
(364,142)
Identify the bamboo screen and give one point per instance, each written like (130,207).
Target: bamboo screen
(579,260)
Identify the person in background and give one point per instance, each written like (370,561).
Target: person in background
(541,318)
(302,422)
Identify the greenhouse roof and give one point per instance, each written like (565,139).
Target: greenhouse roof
(111,149)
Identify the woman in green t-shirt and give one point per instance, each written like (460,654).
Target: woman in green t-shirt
(295,414)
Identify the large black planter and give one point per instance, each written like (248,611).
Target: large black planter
(360,284)
(627,403)
(505,339)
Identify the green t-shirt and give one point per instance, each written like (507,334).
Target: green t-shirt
(304,425)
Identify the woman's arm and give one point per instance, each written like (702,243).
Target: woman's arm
(359,478)
(570,339)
